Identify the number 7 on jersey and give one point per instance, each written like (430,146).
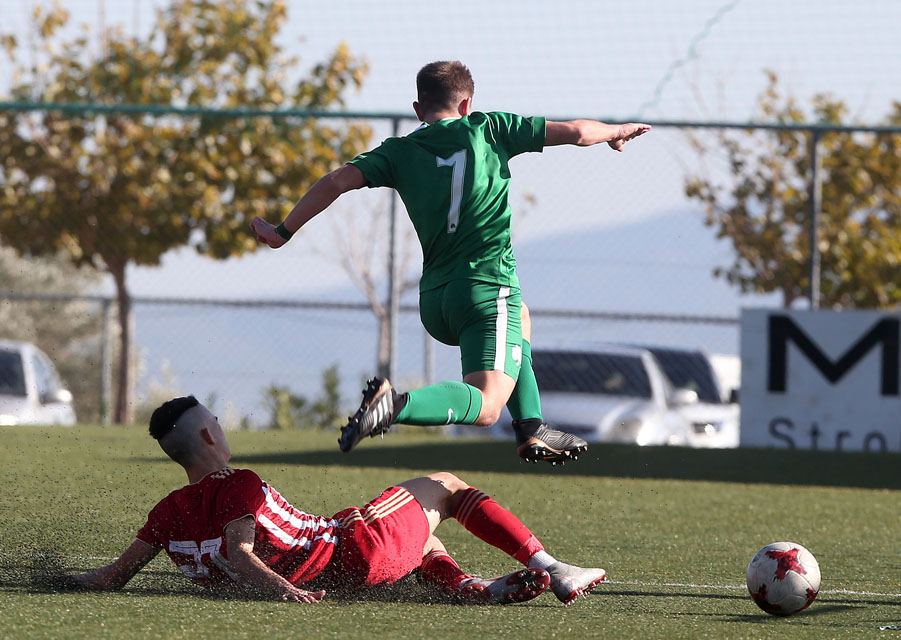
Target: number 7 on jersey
(458,163)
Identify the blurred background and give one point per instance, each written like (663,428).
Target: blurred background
(124,204)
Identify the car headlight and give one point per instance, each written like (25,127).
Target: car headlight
(706,428)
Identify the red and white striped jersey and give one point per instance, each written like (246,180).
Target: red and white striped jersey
(189,525)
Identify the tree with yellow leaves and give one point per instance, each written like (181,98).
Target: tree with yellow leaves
(123,187)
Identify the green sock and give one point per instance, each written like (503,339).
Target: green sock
(448,402)
(525,402)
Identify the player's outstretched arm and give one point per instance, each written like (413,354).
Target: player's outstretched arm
(324,192)
(253,572)
(117,574)
(585,133)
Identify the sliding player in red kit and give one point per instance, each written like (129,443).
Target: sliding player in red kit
(229,528)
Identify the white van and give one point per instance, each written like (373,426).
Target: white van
(30,389)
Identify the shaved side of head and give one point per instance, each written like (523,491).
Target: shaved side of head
(177,426)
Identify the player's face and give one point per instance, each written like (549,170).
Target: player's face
(220,437)
(225,448)
(212,425)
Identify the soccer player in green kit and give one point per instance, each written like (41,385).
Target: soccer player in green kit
(453,177)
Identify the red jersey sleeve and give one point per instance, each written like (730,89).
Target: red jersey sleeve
(153,532)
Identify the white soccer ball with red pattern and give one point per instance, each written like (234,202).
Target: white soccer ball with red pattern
(783,578)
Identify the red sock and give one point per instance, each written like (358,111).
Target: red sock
(440,569)
(482,516)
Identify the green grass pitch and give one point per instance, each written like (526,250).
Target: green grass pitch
(675,528)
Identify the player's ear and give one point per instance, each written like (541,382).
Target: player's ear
(207,436)
(418,109)
(465,106)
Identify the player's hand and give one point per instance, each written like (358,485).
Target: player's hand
(69,582)
(266,233)
(627,132)
(293,594)
(75,581)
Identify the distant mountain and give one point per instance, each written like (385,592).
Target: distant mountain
(662,264)
(656,265)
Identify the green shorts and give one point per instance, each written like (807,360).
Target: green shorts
(482,319)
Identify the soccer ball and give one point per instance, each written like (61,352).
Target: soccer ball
(783,578)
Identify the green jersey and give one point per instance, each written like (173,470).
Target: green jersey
(454,180)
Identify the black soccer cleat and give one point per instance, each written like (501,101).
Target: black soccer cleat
(374,416)
(550,445)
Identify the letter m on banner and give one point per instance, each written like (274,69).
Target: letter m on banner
(885,333)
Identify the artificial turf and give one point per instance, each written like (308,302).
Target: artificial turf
(675,528)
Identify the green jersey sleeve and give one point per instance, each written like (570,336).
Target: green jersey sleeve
(516,133)
(376,165)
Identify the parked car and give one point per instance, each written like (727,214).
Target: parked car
(714,414)
(30,388)
(727,368)
(617,393)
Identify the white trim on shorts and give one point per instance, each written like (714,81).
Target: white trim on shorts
(500,330)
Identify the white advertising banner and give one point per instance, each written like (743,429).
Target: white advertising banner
(825,380)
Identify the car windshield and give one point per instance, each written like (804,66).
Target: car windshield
(598,373)
(12,377)
(689,370)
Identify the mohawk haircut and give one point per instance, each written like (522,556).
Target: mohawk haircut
(443,84)
(167,414)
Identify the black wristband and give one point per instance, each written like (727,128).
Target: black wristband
(284,233)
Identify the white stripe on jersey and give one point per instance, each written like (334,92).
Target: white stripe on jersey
(286,538)
(299,529)
(295,517)
(500,329)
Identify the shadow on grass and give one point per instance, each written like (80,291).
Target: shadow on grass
(817,608)
(770,466)
(43,571)
(46,571)
(808,616)
(634,593)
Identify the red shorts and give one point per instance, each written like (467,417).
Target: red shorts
(383,541)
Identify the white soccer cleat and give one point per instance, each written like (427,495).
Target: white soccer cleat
(568,582)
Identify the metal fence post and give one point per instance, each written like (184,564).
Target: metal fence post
(106,365)
(815,199)
(393,276)
(428,358)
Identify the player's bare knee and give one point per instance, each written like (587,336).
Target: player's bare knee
(488,416)
(455,488)
(450,482)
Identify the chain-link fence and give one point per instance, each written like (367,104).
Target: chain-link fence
(609,248)
(230,352)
